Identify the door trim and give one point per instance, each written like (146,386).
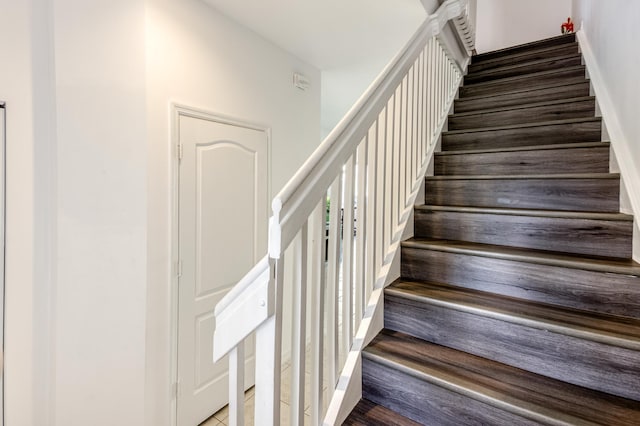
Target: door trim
(178,110)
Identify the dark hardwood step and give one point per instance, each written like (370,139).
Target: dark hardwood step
(437,385)
(367,413)
(597,351)
(599,285)
(562,109)
(531,134)
(591,157)
(572,192)
(567,75)
(526,47)
(522,96)
(522,68)
(597,234)
(526,56)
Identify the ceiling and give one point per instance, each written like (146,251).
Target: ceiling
(327,33)
(350,41)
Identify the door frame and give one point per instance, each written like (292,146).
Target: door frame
(3,218)
(178,110)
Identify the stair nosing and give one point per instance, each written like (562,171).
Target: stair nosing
(524,76)
(472,390)
(540,50)
(577,145)
(559,214)
(525,106)
(524,64)
(525,125)
(525,90)
(541,323)
(537,257)
(527,45)
(559,176)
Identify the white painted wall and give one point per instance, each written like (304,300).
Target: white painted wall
(344,81)
(504,23)
(613,34)
(198,57)
(102,212)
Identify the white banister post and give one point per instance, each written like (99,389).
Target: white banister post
(268,355)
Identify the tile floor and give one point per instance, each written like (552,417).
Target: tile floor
(222,416)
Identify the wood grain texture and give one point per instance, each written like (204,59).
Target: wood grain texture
(512,334)
(593,158)
(500,386)
(579,235)
(595,193)
(525,56)
(609,287)
(522,96)
(367,413)
(426,402)
(561,132)
(513,51)
(567,75)
(521,68)
(519,302)
(563,109)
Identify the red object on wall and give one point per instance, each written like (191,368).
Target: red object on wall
(567,27)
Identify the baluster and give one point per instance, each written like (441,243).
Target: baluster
(432,92)
(316,295)
(333,277)
(388,175)
(347,259)
(395,184)
(299,327)
(416,122)
(371,205)
(379,173)
(403,149)
(236,385)
(409,141)
(421,119)
(361,203)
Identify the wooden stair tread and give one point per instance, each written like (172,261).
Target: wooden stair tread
(598,327)
(525,56)
(525,148)
(529,395)
(588,263)
(517,177)
(526,125)
(517,91)
(527,212)
(551,41)
(525,106)
(523,77)
(367,413)
(524,66)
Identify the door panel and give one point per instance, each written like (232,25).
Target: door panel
(223,208)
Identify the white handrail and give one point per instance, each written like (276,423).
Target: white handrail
(370,168)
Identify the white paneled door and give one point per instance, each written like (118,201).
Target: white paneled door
(223,208)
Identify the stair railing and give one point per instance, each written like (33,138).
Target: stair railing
(340,220)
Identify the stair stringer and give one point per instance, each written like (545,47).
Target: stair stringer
(349,388)
(630,172)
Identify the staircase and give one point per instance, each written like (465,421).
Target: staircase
(518,302)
